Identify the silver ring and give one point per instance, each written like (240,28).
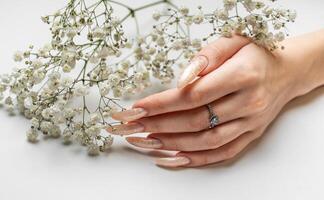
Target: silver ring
(213,118)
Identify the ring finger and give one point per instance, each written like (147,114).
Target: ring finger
(203,140)
(227,109)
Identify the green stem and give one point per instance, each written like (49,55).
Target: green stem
(132,11)
(150,5)
(118,3)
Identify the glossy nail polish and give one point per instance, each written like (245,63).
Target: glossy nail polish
(172,161)
(126,129)
(196,66)
(149,143)
(130,115)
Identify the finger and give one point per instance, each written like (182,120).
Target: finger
(213,86)
(201,158)
(211,57)
(203,140)
(227,108)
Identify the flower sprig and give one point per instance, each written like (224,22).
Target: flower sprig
(89,53)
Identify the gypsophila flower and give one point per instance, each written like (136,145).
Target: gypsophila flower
(156,15)
(18,56)
(184,10)
(67,136)
(229,4)
(81,90)
(28,102)
(93,150)
(89,53)
(32,135)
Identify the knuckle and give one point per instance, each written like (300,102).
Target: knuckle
(258,132)
(195,96)
(176,145)
(248,75)
(255,122)
(152,102)
(250,123)
(204,160)
(259,103)
(217,51)
(150,125)
(257,135)
(212,140)
(197,123)
(230,152)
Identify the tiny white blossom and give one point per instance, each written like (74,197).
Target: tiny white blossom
(103,53)
(18,56)
(67,136)
(93,150)
(66,68)
(28,102)
(32,135)
(292,15)
(98,33)
(72,32)
(229,4)
(66,82)
(37,63)
(184,10)
(280,36)
(107,143)
(156,15)
(81,90)
(104,89)
(198,19)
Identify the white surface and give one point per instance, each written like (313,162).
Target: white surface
(286,164)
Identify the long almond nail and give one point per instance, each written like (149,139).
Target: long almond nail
(172,161)
(196,66)
(130,115)
(126,129)
(150,143)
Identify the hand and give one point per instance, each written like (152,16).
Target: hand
(246,92)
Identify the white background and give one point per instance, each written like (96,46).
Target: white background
(287,163)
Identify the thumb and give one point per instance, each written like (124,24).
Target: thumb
(211,57)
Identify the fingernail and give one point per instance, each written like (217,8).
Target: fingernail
(150,143)
(130,115)
(172,161)
(196,66)
(126,129)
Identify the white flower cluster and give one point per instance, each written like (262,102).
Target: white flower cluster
(52,78)
(265,25)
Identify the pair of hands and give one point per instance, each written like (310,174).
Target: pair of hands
(245,85)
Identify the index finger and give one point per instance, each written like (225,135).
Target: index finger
(211,57)
(197,94)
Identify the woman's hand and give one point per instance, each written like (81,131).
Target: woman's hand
(246,92)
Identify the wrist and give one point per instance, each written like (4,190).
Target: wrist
(303,57)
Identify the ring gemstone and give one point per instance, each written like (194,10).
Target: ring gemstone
(213,121)
(213,118)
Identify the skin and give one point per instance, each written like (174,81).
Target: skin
(246,85)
